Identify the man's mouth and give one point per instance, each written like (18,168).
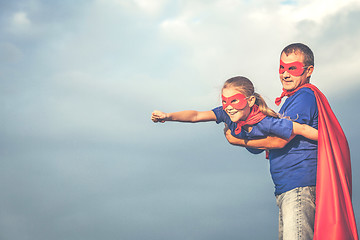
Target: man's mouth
(286,80)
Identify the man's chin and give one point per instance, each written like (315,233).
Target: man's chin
(288,87)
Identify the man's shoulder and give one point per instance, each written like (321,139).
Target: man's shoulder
(303,100)
(304,95)
(305,92)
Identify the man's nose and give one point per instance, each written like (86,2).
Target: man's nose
(286,74)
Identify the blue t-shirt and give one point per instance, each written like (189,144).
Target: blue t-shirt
(295,165)
(268,126)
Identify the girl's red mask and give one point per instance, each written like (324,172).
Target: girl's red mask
(294,68)
(239,99)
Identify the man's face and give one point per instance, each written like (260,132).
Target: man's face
(289,81)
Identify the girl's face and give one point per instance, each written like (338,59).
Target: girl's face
(236,105)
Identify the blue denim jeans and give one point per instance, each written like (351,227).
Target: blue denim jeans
(297,213)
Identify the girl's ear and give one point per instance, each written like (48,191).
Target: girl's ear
(251,101)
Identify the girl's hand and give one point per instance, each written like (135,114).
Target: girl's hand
(158,116)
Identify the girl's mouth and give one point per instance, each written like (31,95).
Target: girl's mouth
(233,113)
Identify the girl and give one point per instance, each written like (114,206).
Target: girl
(245,113)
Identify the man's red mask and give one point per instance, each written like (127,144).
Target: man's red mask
(237,101)
(294,68)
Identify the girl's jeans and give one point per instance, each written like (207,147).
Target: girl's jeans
(297,213)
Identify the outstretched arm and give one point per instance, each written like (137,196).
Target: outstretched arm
(183,116)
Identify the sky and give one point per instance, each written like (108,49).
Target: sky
(79,155)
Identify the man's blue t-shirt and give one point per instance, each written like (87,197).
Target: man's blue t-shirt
(295,165)
(268,126)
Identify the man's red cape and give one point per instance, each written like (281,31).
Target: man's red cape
(334,217)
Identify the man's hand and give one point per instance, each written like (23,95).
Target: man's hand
(226,129)
(231,139)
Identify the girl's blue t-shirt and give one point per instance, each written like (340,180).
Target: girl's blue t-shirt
(294,165)
(268,126)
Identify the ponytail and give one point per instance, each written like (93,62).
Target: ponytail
(263,106)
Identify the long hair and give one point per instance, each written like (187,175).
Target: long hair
(245,86)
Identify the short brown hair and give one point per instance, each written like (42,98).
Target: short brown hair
(305,50)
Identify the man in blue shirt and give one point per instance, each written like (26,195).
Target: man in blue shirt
(293,161)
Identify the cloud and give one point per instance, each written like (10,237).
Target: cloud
(21,19)
(318,11)
(20,23)
(151,8)
(224,39)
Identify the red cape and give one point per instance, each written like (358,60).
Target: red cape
(334,218)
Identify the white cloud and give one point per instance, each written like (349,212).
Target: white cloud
(21,19)
(232,37)
(319,10)
(20,22)
(151,7)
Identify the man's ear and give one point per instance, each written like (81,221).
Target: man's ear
(309,71)
(251,100)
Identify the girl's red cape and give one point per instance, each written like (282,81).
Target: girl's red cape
(334,217)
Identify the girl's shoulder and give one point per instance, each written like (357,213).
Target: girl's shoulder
(281,127)
(270,120)
(220,114)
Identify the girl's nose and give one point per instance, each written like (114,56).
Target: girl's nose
(229,107)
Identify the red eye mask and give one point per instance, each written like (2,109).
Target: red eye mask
(239,98)
(295,68)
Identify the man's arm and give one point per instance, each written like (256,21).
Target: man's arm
(269,142)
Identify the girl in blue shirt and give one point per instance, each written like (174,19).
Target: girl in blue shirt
(244,112)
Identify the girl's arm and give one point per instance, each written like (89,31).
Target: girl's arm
(183,116)
(305,130)
(270,142)
(273,142)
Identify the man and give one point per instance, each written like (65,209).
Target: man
(293,168)
(294,162)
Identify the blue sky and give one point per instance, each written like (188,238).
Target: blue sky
(80,158)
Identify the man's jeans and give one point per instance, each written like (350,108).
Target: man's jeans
(297,213)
